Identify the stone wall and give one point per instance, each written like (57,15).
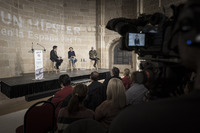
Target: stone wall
(65,23)
(152,6)
(115,9)
(47,22)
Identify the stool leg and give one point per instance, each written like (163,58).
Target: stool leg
(91,65)
(70,65)
(97,66)
(74,67)
(52,67)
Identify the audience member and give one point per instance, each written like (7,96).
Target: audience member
(75,109)
(66,101)
(96,94)
(136,93)
(116,101)
(59,96)
(113,74)
(126,79)
(179,114)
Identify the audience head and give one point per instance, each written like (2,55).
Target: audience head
(55,47)
(138,77)
(126,72)
(188,38)
(115,72)
(133,77)
(94,76)
(64,80)
(70,48)
(116,93)
(78,95)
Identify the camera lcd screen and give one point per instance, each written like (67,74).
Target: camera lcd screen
(136,39)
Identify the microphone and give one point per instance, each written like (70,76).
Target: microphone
(32,48)
(41,46)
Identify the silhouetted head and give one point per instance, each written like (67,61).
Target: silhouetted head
(115,72)
(187,34)
(64,80)
(94,76)
(126,72)
(78,95)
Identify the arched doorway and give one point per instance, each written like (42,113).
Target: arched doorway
(120,58)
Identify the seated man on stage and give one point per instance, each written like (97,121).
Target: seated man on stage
(54,57)
(93,56)
(72,56)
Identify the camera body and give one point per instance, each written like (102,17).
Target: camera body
(150,36)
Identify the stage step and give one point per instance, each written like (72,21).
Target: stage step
(40,95)
(80,81)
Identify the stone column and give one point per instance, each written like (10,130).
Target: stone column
(100,34)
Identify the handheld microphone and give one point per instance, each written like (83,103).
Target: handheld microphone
(32,48)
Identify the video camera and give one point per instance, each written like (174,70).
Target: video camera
(150,36)
(146,35)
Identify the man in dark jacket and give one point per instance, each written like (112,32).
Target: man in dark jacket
(113,74)
(93,55)
(137,40)
(96,94)
(54,57)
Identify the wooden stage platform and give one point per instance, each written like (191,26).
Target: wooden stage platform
(25,85)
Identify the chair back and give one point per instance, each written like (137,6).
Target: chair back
(40,118)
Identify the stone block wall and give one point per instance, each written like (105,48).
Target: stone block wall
(65,23)
(152,6)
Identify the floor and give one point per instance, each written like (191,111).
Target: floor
(12,105)
(12,112)
(9,122)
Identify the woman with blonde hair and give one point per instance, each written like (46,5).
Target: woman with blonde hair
(116,101)
(126,79)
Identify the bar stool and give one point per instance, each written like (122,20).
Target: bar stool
(70,66)
(52,67)
(91,65)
